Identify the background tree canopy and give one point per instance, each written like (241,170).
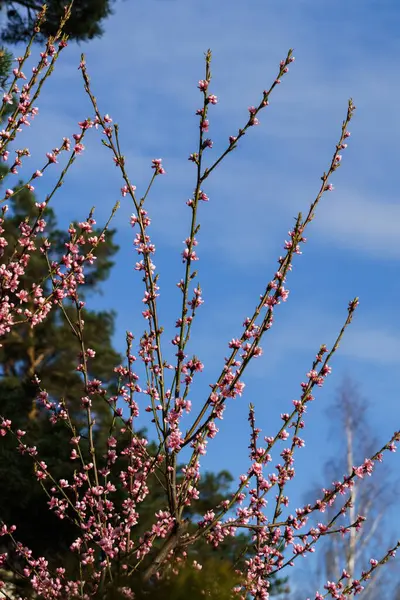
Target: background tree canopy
(17,18)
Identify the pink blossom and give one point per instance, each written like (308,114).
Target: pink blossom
(157,166)
(203,85)
(79,148)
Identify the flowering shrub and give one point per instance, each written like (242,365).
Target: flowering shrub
(102,501)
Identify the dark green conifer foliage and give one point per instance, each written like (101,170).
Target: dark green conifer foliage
(85,23)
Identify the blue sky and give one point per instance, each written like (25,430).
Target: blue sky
(144,72)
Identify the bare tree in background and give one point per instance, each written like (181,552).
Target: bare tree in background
(354,434)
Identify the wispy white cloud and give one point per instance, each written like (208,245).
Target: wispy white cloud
(369,226)
(373,344)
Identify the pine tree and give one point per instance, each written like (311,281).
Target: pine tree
(84,23)
(50,351)
(5,65)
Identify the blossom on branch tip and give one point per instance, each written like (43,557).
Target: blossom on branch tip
(157,166)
